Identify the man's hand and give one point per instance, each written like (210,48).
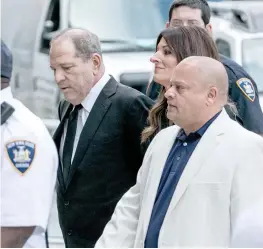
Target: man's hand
(15,236)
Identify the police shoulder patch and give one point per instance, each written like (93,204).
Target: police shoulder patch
(247,88)
(21,154)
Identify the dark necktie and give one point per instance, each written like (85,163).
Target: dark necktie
(69,141)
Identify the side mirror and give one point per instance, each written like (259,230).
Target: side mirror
(46,38)
(49,26)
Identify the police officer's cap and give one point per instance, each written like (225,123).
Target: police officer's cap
(6,61)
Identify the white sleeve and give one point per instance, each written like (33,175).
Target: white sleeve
(247,198)
(248,231)
(26,198)
(121,229)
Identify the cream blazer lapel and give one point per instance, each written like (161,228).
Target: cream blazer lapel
(208,143)
(163,144)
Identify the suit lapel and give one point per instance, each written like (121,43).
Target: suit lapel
(57,139)
(95,117)
(59,131)
(204,149)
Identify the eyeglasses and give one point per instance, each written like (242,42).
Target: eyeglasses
(177,23)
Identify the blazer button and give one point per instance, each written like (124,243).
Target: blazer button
(66,203)
(69,232)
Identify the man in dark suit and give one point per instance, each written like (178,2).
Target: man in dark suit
(98,138)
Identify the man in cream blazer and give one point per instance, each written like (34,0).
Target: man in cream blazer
(221,179)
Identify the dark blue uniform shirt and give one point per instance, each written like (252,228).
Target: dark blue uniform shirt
(177,159)
(242,91)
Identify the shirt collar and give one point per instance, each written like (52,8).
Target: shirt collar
(200,132)
(6,95)
(91,98)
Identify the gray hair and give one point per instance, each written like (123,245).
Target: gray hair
(232,107)
(85,42)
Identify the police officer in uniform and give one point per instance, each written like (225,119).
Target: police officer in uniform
(29,164)
(242,88)
(244,93)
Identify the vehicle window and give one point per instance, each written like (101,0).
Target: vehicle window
(223,47)
(53,15)
(118,22)
(252,62)
(52,23)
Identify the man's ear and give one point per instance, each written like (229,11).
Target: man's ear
(167,25)
(209,28)
(96,61)
(212,95)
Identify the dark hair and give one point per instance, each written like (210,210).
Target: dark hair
(194,4)
(189,41)
(184,41)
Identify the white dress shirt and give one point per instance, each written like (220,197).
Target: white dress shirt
(83,114)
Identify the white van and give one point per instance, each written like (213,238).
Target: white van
(127,30)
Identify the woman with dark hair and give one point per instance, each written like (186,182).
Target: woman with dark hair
(172,46)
